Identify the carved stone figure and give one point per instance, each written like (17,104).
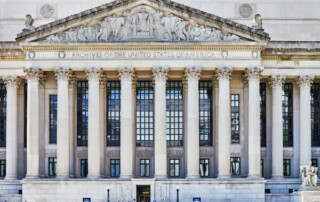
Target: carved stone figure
(28,23)
(257,20)
(309,175)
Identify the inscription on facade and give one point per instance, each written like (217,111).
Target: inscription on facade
(142,54)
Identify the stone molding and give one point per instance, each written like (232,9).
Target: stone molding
(276,81)
(206,152)
(192,73)
(253,73)
(144,153)
(62,74)
(82,152)
(223,73)
(315,152)
(288,153)
(160,73)
(33,74)
(3,154)
(12,81)
(305,81)
(173,152)
(93,74)
(126,73)
(113,153)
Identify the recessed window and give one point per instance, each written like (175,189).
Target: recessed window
(174,121)
(144,168)
(82,113)
(287,114)
(314,162)
(84,168)
(2,168)
(144,114)
(205,113)
(52,166)
(262,167)
(115,167)
(235,118)
(315,115)
(174,167)
(25,97)
(235,166)
(3,114)
(53,119)
(204,167)
(113,113)
(263,113)
(286,167)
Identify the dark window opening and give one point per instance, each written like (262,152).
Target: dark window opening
(263,115)
(115,167)
(204,167)
(84,168)
(3,114)
(174,168)
(287,114)
(82,113)
(205,113)
(286,167)
(113,113)
(52,166)
(235,166)
(53,119)
(144,168)
(235,119)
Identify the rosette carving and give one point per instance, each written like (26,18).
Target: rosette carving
(305,81)
(63,73)
(126,73)
(223,73)
(12,81)
(192,73)
(160,73)
(276,81)
(93,73)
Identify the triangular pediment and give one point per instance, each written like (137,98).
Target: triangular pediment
(142,20)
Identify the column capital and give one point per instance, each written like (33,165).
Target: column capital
(12,81)
(103,82)
(62,73)
(72,81)
(126,73)
(276,81)
(305,81)
(192,73)
(253,73)
(33,74)
(223,73)
(160,73)
(93,74)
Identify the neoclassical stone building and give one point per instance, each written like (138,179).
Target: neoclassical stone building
(148,100)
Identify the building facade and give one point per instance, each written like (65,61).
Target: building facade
(150,100)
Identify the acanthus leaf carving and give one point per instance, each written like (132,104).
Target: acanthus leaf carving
(160,73)
(143,23)
(12,81)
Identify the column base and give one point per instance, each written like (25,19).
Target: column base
(32,176)
(11,177)
(193,176)
(277,177)
(126,176)
(93,176)
(62,176)
(160,176)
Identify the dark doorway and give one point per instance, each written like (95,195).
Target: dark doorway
(143,193)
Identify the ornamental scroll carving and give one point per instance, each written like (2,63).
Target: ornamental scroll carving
(305,81)
(62,73)
(276,81)
(160,73)
(93,73)
(192,72)
(33,74)
(143,23)
(253,73)
(12,81)
(223,73)
(126,73)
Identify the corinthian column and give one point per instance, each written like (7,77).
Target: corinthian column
(63,127)
(33,75)
(224,125)
(276,82)
(192,75)
(12,83)
(127,139)
(160,145)
(253,75)
(93,75)
(304,83)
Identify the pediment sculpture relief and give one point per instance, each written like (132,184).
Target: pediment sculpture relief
(309,175)
(143,23)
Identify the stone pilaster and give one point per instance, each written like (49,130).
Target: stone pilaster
(127,138)
(160,144)
(33,76)
(72,125)
(102,114)
(12,84)
(253,76)
(224,126)
(63,124)
(304,82)
(93,75)
(192,148)
(276,82)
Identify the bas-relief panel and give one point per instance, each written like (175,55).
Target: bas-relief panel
(143,23)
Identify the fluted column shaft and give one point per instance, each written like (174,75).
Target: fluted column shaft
(224,125)
(63,124)
(33,123)
(304,83)
(12,83)
(127,139)
(93,75)
(253,75)
(192,147)
(276,82)
(160,145)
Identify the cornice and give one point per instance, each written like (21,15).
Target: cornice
(12,57)
(290,57)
